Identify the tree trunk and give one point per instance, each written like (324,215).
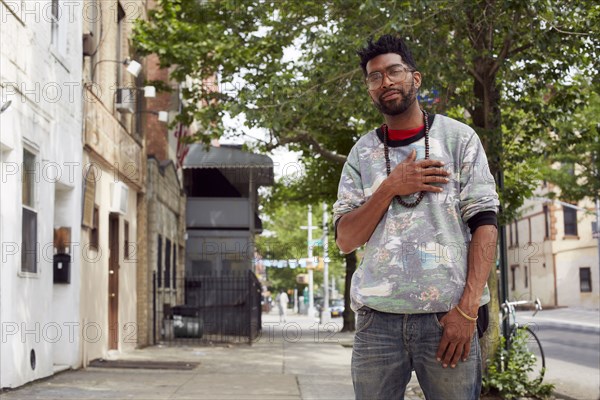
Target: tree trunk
(349,320)
(491,339)
(486,116)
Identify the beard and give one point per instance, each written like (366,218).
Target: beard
(397,106)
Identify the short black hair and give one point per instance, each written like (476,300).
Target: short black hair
(384,45)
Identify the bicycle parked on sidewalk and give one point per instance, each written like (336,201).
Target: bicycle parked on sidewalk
(525,335)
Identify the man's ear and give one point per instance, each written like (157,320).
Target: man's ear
(417,79)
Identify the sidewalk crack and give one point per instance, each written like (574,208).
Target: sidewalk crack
(299,388)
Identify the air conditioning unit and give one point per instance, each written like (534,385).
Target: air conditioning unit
(119,193)
(125,100)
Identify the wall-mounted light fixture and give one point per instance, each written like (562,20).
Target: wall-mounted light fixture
(149,91)
(163,116)
(133,67)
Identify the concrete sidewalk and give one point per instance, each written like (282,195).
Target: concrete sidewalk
(299,359)
(296,360)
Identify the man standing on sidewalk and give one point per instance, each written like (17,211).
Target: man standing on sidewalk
(419,193)
(282,301)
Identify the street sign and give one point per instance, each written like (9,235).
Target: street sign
(316,242)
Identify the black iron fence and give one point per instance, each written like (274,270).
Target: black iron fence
(205,309)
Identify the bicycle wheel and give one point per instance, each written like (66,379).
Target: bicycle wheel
(533,346)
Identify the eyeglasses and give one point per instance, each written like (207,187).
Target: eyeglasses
(395,73)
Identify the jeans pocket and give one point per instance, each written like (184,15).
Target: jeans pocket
(364,319)
(437,317)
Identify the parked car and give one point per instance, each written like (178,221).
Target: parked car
(337,308)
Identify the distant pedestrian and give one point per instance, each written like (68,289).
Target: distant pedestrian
(419,193)
(282,301)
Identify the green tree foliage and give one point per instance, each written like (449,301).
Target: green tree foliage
(500,66)
(493,64)
(287,241)
(572,153)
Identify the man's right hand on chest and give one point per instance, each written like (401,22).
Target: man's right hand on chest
(412,176)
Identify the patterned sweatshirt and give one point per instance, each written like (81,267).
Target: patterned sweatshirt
(416,259)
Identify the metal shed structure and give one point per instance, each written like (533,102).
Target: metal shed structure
(221,289)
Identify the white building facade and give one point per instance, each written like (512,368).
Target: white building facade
(40,189)
(113,147)
(553,254)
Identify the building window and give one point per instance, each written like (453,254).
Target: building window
(120,42)
(92,15)
(95,231)
(516,233)
(513,270)
(526,276)
(546,222)
(510,235)
(570,216)
(167,263)
(126,237)
(174,265)
(159,263)
(29,220)
(585,279)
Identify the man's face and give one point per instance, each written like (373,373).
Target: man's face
(399,84)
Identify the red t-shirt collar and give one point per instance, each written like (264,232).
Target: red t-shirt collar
(401,134)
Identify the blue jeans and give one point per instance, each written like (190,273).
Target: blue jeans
(387,347)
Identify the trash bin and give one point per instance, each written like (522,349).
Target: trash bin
(187,322)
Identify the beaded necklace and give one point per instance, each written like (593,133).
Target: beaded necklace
(386,152)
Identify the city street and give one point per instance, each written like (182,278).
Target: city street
(299,359)
(571,342)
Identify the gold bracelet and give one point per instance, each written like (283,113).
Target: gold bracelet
(464,314)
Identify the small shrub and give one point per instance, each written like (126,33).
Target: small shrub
(507,375)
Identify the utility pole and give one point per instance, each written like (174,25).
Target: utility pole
(503,257)
(333,285)
(598,230)
(309,265)
(325,311)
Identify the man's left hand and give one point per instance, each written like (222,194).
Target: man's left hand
(456,338)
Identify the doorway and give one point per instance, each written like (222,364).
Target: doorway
(113,282)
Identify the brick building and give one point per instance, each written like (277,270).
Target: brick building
(114,176)
(159,281)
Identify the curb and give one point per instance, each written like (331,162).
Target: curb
(564,326)
(559,396)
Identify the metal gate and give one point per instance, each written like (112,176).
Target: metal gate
(223,308)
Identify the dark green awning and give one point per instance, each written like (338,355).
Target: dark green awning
(232,162)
